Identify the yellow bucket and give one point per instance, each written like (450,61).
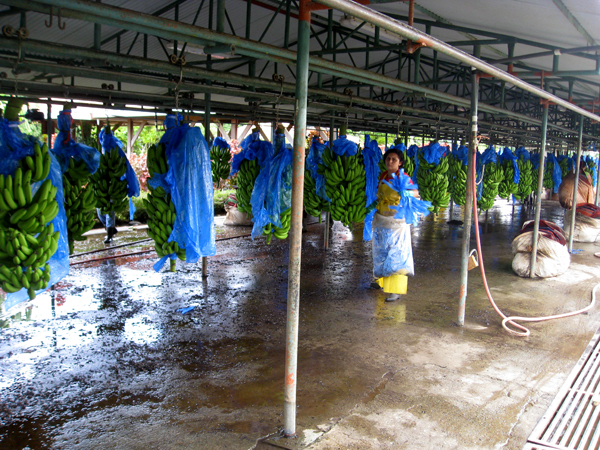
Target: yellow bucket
(394,284)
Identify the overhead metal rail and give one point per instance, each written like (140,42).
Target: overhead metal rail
(144,23)
(418,37)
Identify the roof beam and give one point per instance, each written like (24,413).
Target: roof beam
(573,20)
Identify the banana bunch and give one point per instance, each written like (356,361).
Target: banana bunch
(313,204)
(548,183)
(564,166)
(27,240)
(493,175)
(457,180)
(589,168)
(79,201)
(525,186)
(507,185)
(249,170)
(160,207)
(409,165)
(271,230)
(109,189)
(157,159)
(219,160)
(345,183)
(433,183)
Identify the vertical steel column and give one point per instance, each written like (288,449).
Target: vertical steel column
(50,126)
(576,185)
(97,34)
(293,301)
(469,202)
(221,16)
(538,202)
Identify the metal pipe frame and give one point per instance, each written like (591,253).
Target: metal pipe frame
(576,185)
(397,27)
(540,190)
(145,23)
(469,204)
(293,300)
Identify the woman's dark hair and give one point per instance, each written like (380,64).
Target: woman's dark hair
(397,152)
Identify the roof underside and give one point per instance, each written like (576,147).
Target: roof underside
(358,73)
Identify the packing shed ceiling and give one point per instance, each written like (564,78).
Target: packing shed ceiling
(154,54)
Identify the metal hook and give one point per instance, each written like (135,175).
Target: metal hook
(48,25)
(63,25)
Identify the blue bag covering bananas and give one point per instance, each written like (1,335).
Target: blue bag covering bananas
(431,176)
(159,205)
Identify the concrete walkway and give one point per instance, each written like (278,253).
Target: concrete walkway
(107,361)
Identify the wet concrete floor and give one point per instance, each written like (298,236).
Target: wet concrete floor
(105,360)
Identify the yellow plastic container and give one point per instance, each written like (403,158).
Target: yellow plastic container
(394,284)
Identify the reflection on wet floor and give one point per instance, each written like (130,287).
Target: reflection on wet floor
(105,353)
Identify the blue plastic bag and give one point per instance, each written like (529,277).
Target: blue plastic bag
(343,146)
(521,152)
(188,156)
(219,142)
(272,193)
(462,154)
(14,146)
(507,155)
(314,158)
(108,142)
(410,208)
(392,248)
(556,172)
(66,148)
(252,148)
(371,157)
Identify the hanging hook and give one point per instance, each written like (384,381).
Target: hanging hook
(61,25)
(48,25)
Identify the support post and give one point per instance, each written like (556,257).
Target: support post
(50,126)
(207,137)
(540,188)
(129,137)
(293,301)
(469,202)
(576,184)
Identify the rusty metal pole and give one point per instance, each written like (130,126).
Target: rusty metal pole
(538,206)
(293,301)
(469,202)
(576,185)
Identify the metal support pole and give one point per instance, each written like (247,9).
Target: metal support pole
(50,127)
(97,34)
(538,205)
(293,301)
(220,16)
(576,185)
(469,203)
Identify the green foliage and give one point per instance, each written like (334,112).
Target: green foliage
(141,215)
(149,135)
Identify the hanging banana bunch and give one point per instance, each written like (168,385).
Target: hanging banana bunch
(249,170)
(564,165)
(548,169)
(345,183)
(220,157)
(109,183)
(160,207)
(409,165)
(79,201)
(525,186)
(313,204)
(493,175)
(507,185)
(457,180)
(27,238)
(433,182)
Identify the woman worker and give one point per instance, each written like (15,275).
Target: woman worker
(392,249)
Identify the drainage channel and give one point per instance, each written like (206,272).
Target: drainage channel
(573,418)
